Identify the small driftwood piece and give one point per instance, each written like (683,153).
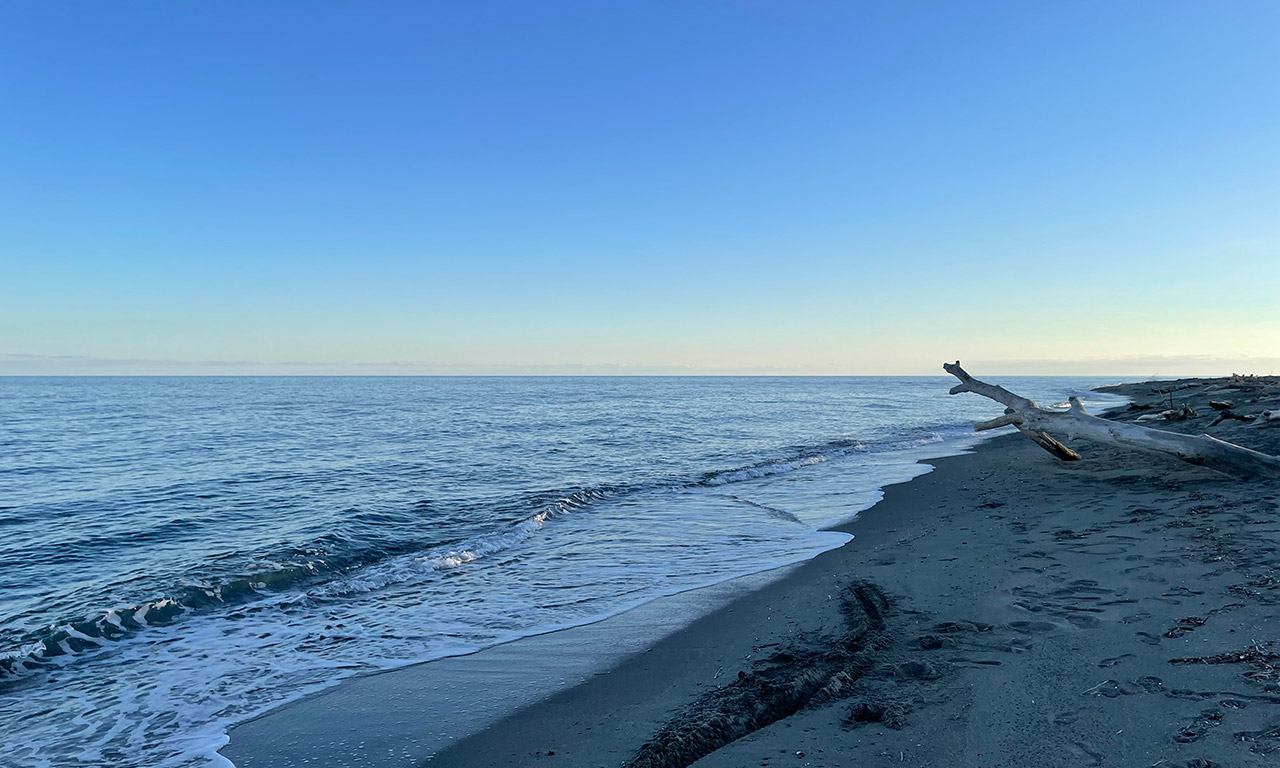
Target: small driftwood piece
(1231,415)
(1075,422)
(1183,412)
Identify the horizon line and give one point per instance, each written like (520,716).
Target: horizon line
(572,375)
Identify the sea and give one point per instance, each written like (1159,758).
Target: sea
(180,554)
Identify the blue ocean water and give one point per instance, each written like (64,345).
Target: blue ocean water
(179,554)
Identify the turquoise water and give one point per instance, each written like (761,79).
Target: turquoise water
(178,554)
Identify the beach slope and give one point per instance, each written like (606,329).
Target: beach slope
(1116,611)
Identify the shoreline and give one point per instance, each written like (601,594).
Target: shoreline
(1032,605)
(301,732)
(645,689)
(291,732)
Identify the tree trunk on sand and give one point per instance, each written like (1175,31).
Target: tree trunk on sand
(1037,422)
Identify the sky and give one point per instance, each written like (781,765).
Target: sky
(639,187)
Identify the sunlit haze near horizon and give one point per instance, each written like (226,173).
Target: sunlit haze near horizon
(640,187)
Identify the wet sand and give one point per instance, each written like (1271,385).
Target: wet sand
(1006,609)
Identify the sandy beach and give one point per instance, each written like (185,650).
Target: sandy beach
(1006,609)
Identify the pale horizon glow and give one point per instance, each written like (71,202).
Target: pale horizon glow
(640,188)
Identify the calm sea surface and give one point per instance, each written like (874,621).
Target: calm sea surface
(178,554)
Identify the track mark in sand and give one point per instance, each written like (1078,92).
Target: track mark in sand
(809,673)
(1264,665)
(1148,638)
(980,637)
(1040,571)
(1031,627)
(1261,588)
(1114,660)
(1085,749)
(1108,688)
(1239,700)
(1196,729)
(1074,603)
(1189,624)
(1066,534)
(1099,549)
(888,713)
(961,627)
(1192,623)
(1081,589)
(1084,622)
(1065,718)
(1264,742)
(916,670)
(961,661)
(1014,645)
(1037,554)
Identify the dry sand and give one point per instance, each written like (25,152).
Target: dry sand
(1006,609)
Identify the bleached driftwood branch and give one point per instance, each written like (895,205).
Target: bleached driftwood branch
(1075,422)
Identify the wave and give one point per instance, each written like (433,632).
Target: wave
(312,568)
(442,558)
(334,565)
(820,454)
(781,514)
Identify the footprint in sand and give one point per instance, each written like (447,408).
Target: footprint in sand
(1065,718)
(1189,624)
(1099,548)
(1083,622)
(1085,749)
(1114,660)
(1108,688)
(1204,722)
(1264,742)
(966,662)
(959,627)
(1031,627)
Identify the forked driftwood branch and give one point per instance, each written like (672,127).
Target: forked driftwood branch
(1036,422)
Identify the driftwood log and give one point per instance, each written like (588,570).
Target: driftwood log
(1036,422)
(1230,415)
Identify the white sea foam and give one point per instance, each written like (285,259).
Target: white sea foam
(777,468)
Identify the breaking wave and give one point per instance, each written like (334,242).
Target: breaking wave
(316,573)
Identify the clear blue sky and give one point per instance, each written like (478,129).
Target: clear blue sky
(850,187)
